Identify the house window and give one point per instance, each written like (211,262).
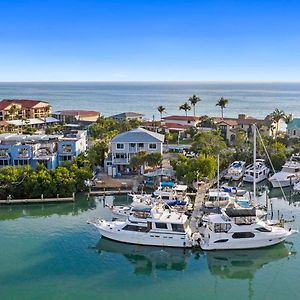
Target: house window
(295,132)
(189,122)
(140,145)
(152,146)
(120,146)
(66,148)
(23,152)
(132,145)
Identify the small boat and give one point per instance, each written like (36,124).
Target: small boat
(236,170)
(239,228)
(289,174)
(152,226)
(261,171)
(169,190)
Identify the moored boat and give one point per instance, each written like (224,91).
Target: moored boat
(236,170)
(156,227)
(289,174)
(260,172)
(239,228)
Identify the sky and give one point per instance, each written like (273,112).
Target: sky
(137,40)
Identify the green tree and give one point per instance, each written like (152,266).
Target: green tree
(138,160)
(161,109)
(186,107)
(154,159)
(276,116)
(194,100)
(208,143)
(222,103)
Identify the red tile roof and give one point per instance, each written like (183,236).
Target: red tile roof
(23,102)
(181,118)
(175,126)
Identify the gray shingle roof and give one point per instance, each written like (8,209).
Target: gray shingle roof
(138,135)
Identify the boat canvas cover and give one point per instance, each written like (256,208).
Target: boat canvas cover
(167,184)
(240,212)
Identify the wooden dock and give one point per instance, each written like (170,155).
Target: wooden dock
(10,201)
(109,192)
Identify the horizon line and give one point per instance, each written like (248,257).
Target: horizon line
(156,81)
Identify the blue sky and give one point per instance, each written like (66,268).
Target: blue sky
(128,40)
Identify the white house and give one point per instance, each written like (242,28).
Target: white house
(127,144)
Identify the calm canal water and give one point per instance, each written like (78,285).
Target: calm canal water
(49,252)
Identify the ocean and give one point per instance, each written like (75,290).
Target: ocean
(255,99)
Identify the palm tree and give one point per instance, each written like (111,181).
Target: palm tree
(276,116)
(288,119)
(12,112)
(194,100)
(161,109)
(222,103)
(185,106)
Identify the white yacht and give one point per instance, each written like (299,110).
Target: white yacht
(168,191)
(261,171)
(289,174)
(240,228)
(149,227)
(236,170)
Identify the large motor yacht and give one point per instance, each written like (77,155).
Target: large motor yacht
(240,228)
(289,174)
(261,171)
(149,226)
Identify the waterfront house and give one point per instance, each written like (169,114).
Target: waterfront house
(17,109)
(75,116)
(49,150)
(293,128)
(127,144)
(230,126)
(126,116)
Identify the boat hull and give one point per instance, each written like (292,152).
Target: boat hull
(245,243)
(145,238)
(282,182)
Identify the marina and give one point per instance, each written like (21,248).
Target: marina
(95,265)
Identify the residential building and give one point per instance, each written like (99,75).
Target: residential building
(230,126)
(126,116)
(14,109)
(179,121)
(50,150)
(127,144)
(75,116)
(293,128)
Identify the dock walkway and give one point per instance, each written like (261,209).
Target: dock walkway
(37,200)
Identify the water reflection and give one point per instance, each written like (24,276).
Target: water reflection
(11,212)
(146,259)
(243,264)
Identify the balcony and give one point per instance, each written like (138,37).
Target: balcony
(120,161)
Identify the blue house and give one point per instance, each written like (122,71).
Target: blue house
(293,128)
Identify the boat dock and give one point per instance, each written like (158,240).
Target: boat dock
(10,201)
(109,192)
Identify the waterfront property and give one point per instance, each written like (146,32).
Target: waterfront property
(75,116)
(293,128)
(49,150)
(178,123)
(230,126)
(126,116)
(127,144)
(17,109)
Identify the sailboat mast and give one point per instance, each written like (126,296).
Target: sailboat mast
(254,161)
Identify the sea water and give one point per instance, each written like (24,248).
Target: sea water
(255,99)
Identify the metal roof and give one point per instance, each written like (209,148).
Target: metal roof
(294,124)
(138,135)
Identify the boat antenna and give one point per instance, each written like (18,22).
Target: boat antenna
(271,164)
(254,162)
